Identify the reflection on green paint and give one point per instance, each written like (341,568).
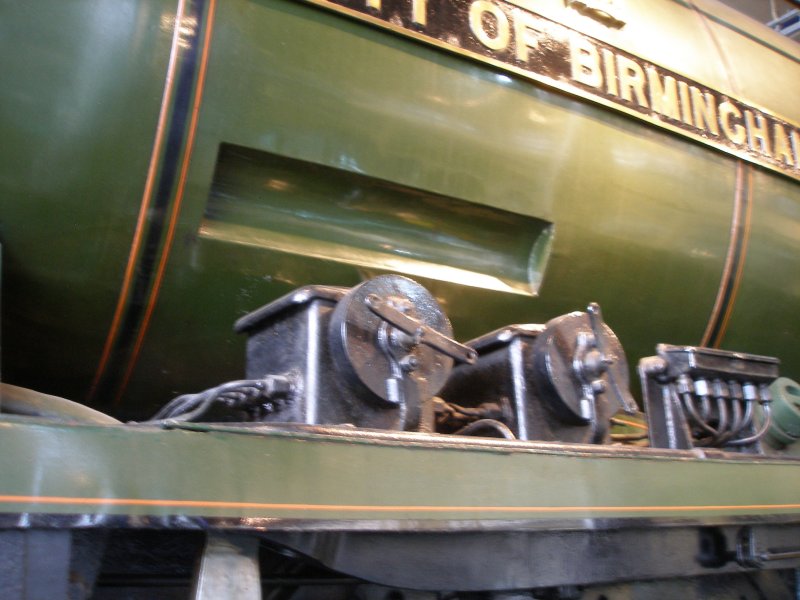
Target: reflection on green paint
(264,200)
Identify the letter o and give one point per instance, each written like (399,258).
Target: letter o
(476,11)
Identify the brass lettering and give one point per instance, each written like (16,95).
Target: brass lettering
(611,72)
(502,36)
(734,131)
(757,133)
(419,12)
(631,81)
(704,110)
(782,149)
(663,97)
(585,61)
(686,103)
(511,36)
(524,24)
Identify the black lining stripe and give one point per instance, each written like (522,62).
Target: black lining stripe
(731,276)
(168,171)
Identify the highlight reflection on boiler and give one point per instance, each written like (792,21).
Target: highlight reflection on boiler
(286,205)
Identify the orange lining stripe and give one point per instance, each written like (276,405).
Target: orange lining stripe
(373,508)
(147,196)
(737,281)
(729,257)
(176,207)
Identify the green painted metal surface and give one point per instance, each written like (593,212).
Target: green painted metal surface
(214,472)
(77,125)
(640,218)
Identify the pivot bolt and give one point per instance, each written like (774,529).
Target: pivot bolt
(409,363)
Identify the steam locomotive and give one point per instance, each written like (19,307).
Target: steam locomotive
(414,210)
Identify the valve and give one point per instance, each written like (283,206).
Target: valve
(391,339)
(419,333)
(582,370)
(563,381)
(609,352)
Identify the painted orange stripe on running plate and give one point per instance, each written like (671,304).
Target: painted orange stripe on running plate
(630,423)
(176,206)
(147,196)
(60,500)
